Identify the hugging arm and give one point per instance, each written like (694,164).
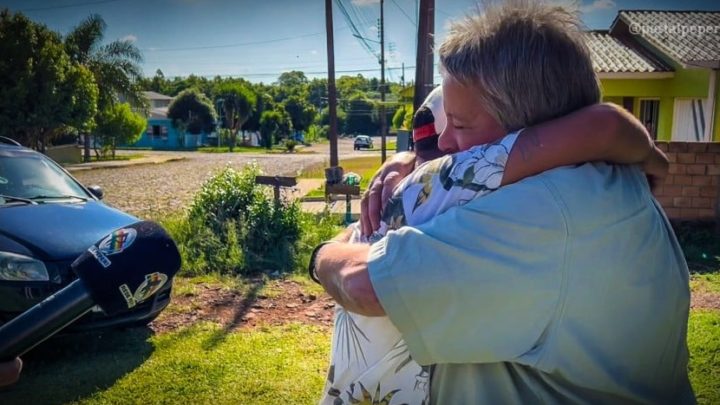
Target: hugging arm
(598,132)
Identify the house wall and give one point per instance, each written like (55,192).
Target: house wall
(690,191)
(147,140)
(687,83)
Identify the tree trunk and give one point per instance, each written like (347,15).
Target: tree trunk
(86,147)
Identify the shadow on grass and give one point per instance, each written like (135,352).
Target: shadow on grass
(72,367)
(250,296)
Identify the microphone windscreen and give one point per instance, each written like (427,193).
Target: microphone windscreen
(128,266)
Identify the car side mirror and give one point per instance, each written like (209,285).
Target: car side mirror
(97,191)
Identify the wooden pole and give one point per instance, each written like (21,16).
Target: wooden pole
(332,97)
(424,56)
(383,118)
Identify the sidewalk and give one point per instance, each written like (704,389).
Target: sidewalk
(146,160)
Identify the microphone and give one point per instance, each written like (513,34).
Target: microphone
(123,269)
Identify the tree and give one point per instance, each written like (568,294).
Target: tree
(192,111)
(317,93)
(301,113)
(273,125)
(42,92)
(115,66)
(118,124)
(399,117)
(238,103)
(359,118)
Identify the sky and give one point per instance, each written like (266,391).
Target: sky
(259,39)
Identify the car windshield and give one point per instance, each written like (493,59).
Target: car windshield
(32,176)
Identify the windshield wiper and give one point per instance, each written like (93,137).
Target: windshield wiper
(18,199)
(57,197)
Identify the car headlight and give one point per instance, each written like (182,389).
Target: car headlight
(15,267)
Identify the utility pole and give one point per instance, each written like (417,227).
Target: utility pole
(402,77)
(332,97)
(424,56)
(383,118)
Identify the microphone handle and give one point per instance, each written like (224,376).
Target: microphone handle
(43,320)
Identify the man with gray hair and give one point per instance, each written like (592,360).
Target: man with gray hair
(568,286)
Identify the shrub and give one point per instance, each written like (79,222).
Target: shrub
(290,145)
(234,226)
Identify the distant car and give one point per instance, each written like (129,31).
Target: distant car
(363,141)
(47,219)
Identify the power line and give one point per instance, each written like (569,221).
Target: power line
(267,41)
(356,32)
(270,74)
(89,3)
(404,13)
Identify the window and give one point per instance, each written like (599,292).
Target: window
(649,112)
(158,131)
(689,120)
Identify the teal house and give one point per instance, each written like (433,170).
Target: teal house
(160,132)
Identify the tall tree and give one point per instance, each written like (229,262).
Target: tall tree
(238,103)
(42,92)
(301,113)
(192,111)
(115,65)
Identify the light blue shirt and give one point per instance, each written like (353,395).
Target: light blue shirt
(569,286)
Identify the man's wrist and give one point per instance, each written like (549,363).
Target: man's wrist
(312,266)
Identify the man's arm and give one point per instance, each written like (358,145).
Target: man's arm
(343,271)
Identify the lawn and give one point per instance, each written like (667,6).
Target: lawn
(364,166)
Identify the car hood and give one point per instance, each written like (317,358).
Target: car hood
(60,231)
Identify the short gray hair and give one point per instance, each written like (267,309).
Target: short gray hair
(527,59)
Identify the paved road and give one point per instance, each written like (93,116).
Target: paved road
(149,191)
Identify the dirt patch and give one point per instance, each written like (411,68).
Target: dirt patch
(284,302)
(705,300)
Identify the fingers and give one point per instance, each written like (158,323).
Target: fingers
(391,180)
(10,372)
(375,203)
(365,227)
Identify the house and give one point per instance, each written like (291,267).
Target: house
(160,132)
(662,66)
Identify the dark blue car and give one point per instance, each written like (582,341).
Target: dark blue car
(47,219)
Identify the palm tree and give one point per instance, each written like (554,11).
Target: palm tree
(115,66)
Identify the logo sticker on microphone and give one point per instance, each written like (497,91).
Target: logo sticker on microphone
(127,294)
(150,286)
(118,241)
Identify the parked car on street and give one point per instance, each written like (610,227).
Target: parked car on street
(363,141)
(47,219)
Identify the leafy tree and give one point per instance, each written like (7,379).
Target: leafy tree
(238,103)
(273,125)
(323,119)
(115,66)
(192,111)
(118,124)
(318,93)
(360,117)
(399,117)
(301,113)
(42,92)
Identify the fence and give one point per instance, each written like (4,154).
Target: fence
(690,191)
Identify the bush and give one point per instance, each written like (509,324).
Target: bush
(290,145)
(233,226)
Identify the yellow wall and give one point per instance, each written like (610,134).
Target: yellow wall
(686,83)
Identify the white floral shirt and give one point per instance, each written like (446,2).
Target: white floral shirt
(370,362)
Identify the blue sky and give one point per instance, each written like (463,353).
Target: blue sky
(258,39)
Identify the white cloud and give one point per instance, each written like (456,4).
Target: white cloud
(362,3)
(129,37)
(314,52)
(598,5)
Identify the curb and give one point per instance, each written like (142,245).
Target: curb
(119,164)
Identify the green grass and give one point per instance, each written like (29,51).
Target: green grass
(117,157)
(237,149)
(364,166)
(199,365)
(706,282)
(704,345)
